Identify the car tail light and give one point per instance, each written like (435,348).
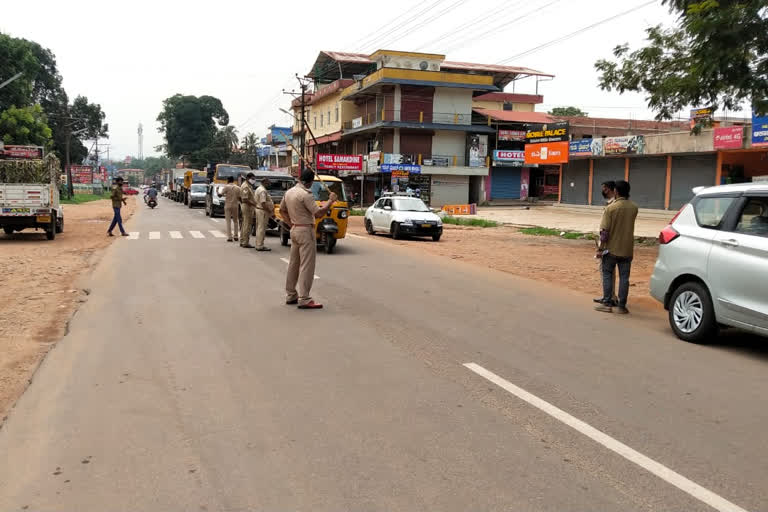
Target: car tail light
(677,214)
(668,234)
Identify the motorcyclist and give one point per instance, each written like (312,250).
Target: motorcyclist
(151,193)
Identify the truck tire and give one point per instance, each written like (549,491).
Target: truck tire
(60,226)
(50,232)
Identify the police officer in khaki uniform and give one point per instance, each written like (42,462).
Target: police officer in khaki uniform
(299,210)
(247,205)
(231,193)
(265,210)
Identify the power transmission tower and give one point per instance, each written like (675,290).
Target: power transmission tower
(141,142)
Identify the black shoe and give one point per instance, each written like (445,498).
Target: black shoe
(598,300)
(292,302)
(263,249)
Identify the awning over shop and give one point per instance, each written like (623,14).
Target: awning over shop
(513,116)
(325,139)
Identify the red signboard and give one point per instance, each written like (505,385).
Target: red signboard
(730,137)
(547,153)
(326,162)
(25,152)
(511,134)
(81,174)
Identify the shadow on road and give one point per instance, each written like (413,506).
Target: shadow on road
(734,340)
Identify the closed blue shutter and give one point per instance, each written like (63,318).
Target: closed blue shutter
(505,183)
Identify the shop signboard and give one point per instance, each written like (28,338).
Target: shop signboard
(512,135)
(585,147)
(626,145)
(328,162)
(22,152)
(357,122)
(547,153)
(759,131)
(508,157)
(729,137)
(393,158)
(699,114)
(478,150)
(550,132)
(409,168)
(81,174)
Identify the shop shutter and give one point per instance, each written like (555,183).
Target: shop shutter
(689,172)
(605,169)
(447,189)
(575,182)
(505,183)
(647,178)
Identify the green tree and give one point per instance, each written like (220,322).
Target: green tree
(40,81)
(26,125)
(567,111)
(189,125)
(716,55)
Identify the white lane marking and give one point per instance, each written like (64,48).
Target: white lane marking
(133,235)
(154,235)
(175,234)
(285,260)
(196,234)
(355,236)
(702,494)
(216,220)
(217,234)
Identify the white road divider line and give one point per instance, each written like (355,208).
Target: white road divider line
(175,234)
(196,234)
(133,235)
(217,234)
(700,493)
(154,235)
(285,260)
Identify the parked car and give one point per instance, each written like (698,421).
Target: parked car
(130,191)
(403,216)
(713,262)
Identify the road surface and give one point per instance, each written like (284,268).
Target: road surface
(185,383)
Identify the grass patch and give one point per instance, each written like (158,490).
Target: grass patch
(464,221)
(83,198)
(568,235)
(356,212)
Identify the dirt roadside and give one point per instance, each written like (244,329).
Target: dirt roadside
(38,280)
(567,263)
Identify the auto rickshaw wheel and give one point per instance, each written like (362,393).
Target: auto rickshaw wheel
(329,243)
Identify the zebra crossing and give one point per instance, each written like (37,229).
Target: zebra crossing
(175,235)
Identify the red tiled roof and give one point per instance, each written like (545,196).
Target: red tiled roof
(360,58)
(331,88)
(515,116)
(492,68)
(325,138)
(607,122)
(510,97)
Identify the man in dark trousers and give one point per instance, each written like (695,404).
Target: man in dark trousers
(117,203)
(617,245)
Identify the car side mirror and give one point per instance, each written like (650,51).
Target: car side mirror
(387,208)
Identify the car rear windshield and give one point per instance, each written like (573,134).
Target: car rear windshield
(198,188)
(225,171)
(710,211)
(410,204)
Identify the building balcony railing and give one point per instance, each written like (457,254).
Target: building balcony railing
(433,160)
(409,116)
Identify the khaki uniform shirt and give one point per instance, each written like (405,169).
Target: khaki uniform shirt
(117,196)
(619,222)
(247,196)
(231,193)
(299,206)
(262,196)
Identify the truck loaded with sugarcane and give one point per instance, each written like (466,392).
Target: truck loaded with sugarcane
(29,191)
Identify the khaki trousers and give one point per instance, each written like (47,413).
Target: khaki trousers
(230,215)
(261,227)
(301,264)
(245,226)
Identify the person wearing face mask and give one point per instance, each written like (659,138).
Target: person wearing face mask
(248,207)
(609,194)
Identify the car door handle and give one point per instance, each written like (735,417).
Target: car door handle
(729,243)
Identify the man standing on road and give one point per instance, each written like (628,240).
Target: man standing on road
(248,206)
(231,193)
(609,194)
(617,244)
(117,203)
(299,210)
(265,210)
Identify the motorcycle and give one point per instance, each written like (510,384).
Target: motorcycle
(151,201)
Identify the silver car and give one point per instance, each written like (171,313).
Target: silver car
(712,268)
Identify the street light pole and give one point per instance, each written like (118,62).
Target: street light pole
(14,77)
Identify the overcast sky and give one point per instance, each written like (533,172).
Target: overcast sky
(129,56)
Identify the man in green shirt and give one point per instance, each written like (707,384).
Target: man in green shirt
(617,245)
(117,203)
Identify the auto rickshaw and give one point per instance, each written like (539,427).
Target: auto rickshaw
(333,226)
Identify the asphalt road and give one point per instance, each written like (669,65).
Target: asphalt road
(186,384)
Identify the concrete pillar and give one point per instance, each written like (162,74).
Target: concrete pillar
(398,101)
(396,141)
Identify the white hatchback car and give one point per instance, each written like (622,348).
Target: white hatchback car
(403,216)
(712,267)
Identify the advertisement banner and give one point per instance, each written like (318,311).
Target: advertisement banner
(627,145)
(550,132)
(411,168)
(22,152)
(393,158)
(730,137)
(478,150)
(82,174)
(512,135)
(702,113)
(509,157)
(357,122)
(547,153)
(759,131)
(327,162)
(584,147)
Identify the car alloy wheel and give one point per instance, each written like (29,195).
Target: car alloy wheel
(688,311)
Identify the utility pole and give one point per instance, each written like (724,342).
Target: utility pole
(302,138)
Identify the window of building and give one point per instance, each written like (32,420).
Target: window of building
(337,114)
(329,118)
(321,120)
(314,121)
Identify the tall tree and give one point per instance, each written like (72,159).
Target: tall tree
(567,111)
(716,55)
(189,125)
(26,126)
